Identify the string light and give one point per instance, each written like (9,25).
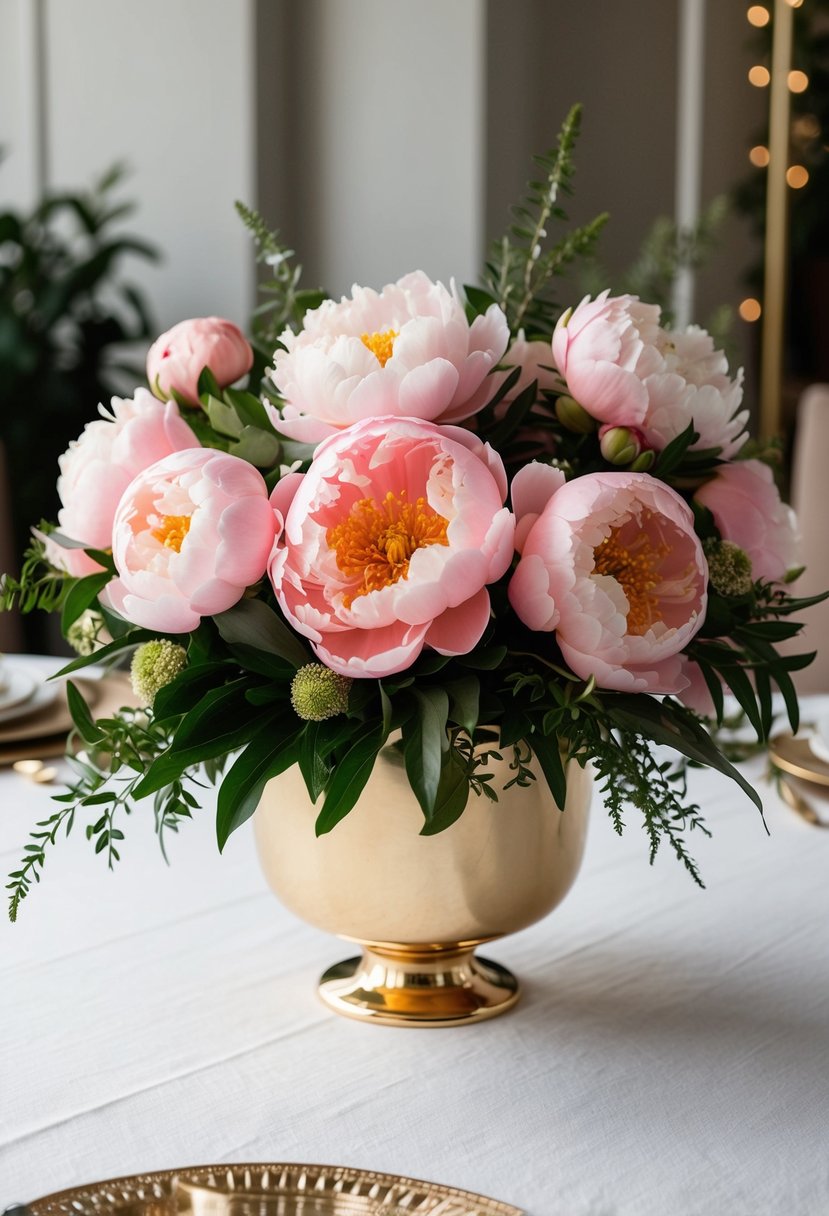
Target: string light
(750,309)
(758,16)
(759,76)
(759,156)
(798,82)
(797,176)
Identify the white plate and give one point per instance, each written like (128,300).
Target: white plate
(18,686)
(41,693)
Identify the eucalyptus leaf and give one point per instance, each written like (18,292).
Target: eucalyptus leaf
(223,418)
(257,447)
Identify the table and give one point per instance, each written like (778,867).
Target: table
(671,1053)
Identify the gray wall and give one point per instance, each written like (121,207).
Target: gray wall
(619,58)
(165,85)
(379,135)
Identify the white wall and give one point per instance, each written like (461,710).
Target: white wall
(388,158)
(166,85)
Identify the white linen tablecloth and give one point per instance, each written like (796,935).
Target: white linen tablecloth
(670,1054)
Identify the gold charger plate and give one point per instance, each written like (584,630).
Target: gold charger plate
(793,754)
(268,1190)
(43,733)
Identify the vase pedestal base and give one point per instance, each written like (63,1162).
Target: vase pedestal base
(398,986)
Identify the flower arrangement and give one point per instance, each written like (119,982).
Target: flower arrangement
(467,520)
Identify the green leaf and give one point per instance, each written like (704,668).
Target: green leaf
(188,688)
(743,690)
(784,683)
(252,623)
(257,447)
(464,702)
(483,660)
(478,299)
(349,780)
(424,742)
(81,595)
(250,410)
(452,795)
(128,640)
(549,757)
(667,722)
(223,418)
(311,764)
(242,785)
(222,722)
(672,455)
(208,385)
(84,723)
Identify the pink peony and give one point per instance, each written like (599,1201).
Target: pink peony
(389,542)
(177,359)
(625,370)
(605,350)
(406,351)
(98,467)
(707,397)
(747,510)
(613,565)
(191,533)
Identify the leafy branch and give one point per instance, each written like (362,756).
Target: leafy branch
(40,584)
(285,304)
(520,270)
(107,773)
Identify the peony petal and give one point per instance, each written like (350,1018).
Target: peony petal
(458,630)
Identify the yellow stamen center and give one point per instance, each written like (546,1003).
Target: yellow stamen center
(635,566)
(375,543)
(172,531)
(381,345)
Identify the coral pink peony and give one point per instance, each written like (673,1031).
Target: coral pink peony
(613,565)
(747,510)
(625,370)
(177,359)
(406,351)
(97,468)
(191,533)
(389,542)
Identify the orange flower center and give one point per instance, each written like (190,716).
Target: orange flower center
(172,531)
(375,543)
(381,345)
(635,566)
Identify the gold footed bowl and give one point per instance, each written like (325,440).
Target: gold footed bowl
(419,906)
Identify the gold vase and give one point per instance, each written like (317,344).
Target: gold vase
(420,905)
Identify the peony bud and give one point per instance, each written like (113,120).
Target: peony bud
(619,444)
(643,461)
(154,665)
(318,693)
(572,416)
(84,634)
(176,359)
